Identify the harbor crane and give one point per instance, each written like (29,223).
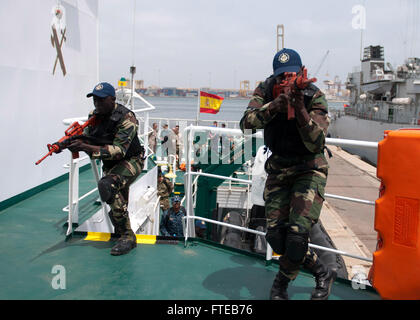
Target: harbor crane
(322,62)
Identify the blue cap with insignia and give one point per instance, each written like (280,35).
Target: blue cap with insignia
(286,60)
(102,90)
(200,224)
(176,199)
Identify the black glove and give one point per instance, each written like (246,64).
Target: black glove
(279,104)
(296,99)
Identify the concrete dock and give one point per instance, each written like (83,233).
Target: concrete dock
(351,225)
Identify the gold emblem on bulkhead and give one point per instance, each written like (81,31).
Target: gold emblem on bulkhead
(58,29)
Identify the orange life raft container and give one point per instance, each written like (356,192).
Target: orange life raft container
(395,272)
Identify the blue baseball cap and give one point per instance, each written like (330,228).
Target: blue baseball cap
(286,60)
(200,224)
(102,90)
(176,199)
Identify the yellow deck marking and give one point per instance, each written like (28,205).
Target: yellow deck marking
(98,236)
(102,236)
(146,239)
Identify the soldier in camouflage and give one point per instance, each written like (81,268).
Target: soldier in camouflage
(165,188)
(297,171)
(114,140)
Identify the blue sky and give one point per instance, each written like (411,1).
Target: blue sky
(218,43)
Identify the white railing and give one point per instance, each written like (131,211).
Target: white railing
(74,198)
(186,122)
(269,252)
(333,196)
(183,123)
(354,143)
(73,207)
(188,231)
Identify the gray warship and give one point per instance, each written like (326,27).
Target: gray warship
(381,98)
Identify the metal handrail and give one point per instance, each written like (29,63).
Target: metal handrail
(348,142)
(222,131)
(260,233)
(87,194)
(220,177)
(178,120)
(333,196)
(190,215)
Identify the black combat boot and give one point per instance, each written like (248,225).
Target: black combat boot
(123,246)
(279,288)
(127,239)
(324,278)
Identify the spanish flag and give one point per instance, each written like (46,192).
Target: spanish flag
(210,103)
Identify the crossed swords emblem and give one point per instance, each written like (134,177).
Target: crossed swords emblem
(57,44)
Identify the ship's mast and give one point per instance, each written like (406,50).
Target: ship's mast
(133,67)
(361,44)
(280,26)
(360,10)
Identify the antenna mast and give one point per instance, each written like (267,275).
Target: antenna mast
(280,26)
(133,67)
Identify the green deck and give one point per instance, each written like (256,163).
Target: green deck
(32,242)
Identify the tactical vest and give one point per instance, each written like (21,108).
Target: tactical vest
(106,129)
(281,136)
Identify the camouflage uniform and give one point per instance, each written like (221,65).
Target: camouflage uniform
(152,140)
(294,191)
(165,188)
(121,165)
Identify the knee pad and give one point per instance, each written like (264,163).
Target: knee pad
(107,189)
(276,237)
(310,260)
(296,243)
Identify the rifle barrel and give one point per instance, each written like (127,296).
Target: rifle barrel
(42,159)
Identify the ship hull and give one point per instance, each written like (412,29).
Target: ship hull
(354,128)
(44,78)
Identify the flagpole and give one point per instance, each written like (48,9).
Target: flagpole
(198,106)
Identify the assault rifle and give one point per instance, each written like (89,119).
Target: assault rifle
(293,81)
(74,132)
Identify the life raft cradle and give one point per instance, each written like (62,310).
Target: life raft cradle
(395,272)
